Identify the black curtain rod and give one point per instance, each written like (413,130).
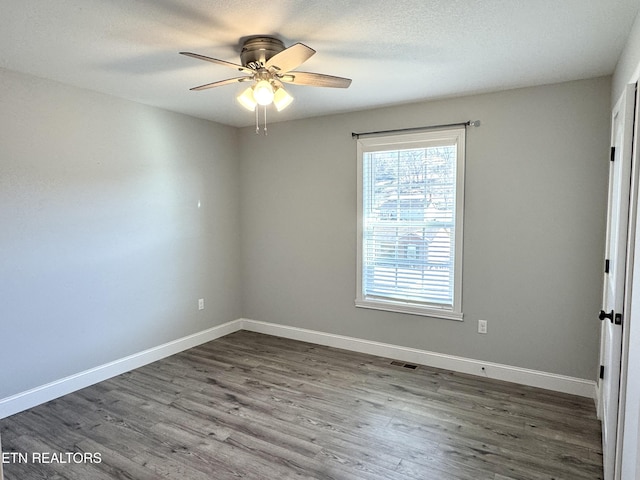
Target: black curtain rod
(475,123)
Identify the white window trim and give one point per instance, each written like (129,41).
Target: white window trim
(392,142)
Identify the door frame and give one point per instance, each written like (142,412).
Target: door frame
(634,212)
(1,474)
(624,106)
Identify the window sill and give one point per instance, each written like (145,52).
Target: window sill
(399,307)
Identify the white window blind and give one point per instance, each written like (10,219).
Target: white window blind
(410,222)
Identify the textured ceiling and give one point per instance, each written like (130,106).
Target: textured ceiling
(395,52)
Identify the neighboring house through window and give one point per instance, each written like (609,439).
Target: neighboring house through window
(410,200)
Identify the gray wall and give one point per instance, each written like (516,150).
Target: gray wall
(536,191)
(103,249)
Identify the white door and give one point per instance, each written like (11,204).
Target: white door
(612,314)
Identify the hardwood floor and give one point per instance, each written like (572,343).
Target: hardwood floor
(254,406)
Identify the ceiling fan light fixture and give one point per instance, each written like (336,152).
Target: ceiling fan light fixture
(263,92)
(267,64)
(281,99)
(246,99)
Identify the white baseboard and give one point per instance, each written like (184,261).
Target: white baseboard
(36,396)
(534,378)
(523,376)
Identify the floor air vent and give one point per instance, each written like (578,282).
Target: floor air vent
(410,366)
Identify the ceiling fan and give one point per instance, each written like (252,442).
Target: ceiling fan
(267,64)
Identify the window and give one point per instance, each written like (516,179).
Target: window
(410,199)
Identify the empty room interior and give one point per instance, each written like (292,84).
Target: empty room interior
(325,240)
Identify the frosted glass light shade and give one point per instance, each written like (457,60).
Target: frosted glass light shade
(263,92)
(246,99)
(281,99)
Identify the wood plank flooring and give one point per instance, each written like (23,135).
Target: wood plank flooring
(252,406)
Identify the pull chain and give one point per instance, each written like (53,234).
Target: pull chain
(257,125)
(264,128)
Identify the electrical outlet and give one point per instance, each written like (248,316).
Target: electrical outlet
(201,304)
(482,326)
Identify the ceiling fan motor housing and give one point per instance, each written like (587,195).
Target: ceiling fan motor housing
(258,50)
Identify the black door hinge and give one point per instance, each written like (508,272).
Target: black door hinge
(613,153)
(606,266)
(601,372)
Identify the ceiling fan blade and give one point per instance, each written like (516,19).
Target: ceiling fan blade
(315,80)
(219,62)
(290,58)
(221,83)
